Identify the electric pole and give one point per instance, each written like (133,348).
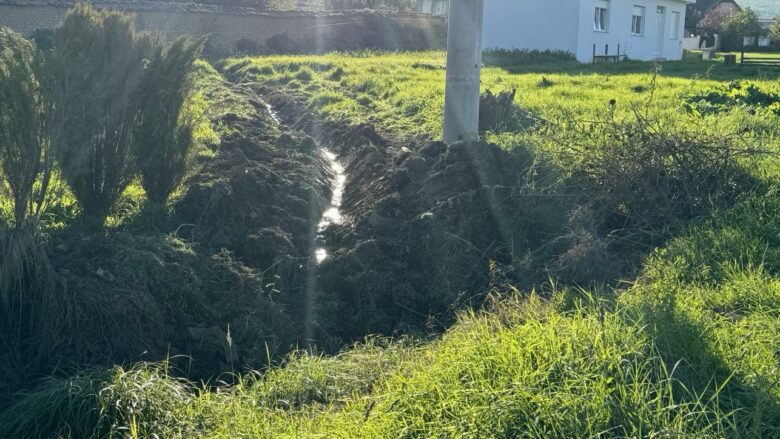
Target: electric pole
(464,60)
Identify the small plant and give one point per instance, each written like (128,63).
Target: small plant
(545,83)
(168,118)
(498,112)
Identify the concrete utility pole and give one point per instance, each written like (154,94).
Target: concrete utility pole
(464,60)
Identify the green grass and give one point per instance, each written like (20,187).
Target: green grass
(664,361)
(404,93)
(690,349)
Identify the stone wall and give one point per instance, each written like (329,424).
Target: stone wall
(230,28)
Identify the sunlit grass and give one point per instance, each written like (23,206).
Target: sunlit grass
(404,92)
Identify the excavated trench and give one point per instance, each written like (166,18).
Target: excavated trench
(355,232)
(332,214)
(424,226)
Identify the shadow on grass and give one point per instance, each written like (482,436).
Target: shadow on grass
(701,375)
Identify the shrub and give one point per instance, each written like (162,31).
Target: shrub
(97,61)
(282,43)
(497,111)
(24,129)
(168,118)
(640,180)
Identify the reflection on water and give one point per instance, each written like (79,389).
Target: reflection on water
(332,215)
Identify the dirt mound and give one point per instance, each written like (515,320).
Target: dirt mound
(430,226)
(261,198)
(444,220)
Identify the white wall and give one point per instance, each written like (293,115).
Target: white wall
(435,7)
(692,43)
(531,24)
(568,25)
(645,47)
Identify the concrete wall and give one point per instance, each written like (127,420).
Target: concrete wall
(692,43)
(226,27)
(531,24)
(568,25)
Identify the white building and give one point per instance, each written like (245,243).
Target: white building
(634,29)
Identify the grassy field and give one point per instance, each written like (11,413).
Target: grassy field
(404,93)
(687,349)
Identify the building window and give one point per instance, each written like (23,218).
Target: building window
(638,21)
(601,20)
(674,32)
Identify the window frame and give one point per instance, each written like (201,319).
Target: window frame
(601,17)
(640,19)
(674,28)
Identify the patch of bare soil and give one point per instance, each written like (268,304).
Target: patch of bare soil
(261,200)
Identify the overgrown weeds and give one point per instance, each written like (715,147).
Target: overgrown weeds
(641,180)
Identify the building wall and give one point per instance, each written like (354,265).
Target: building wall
(568,25)
(644,47)
(435,7)
(226,28)
(531,24)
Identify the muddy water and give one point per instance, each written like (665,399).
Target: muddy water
(273,114)
(332,215)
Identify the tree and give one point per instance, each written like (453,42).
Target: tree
(25,139)
(737,27)
(714,20)
(167,118)
(98,62)
(774,29)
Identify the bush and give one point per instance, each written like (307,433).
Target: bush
(98,62)
(24,130)
(642,179)
(168,118)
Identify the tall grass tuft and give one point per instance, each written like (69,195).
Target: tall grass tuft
(30,309)
(140,402)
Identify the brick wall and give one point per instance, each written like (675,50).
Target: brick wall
(225,27)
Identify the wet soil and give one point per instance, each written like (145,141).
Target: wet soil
(424,226)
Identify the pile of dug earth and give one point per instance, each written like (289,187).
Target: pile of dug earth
(425,227)
(422,229)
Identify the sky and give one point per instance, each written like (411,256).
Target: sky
(765,8)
